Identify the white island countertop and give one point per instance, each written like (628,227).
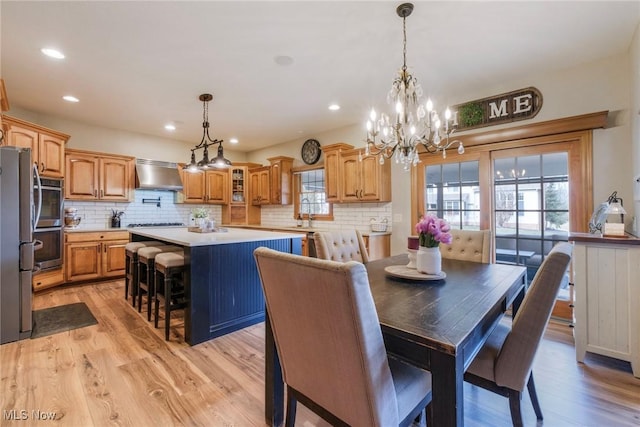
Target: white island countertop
(181,236)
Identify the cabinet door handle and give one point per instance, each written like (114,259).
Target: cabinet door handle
(101,194)
(42,164)
(95,193)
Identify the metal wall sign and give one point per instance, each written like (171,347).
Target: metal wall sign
(504,108)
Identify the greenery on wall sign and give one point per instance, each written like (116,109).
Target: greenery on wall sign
(471,114)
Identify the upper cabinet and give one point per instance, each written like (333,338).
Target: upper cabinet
(281,180)
(47,146)
(259,185)
(349,179)
(206,186)
(98,177)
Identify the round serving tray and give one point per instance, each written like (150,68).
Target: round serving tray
(404,272)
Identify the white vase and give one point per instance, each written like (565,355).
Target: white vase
(412,258)
(429,260)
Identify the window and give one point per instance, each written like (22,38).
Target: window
(452,192)
(310,196)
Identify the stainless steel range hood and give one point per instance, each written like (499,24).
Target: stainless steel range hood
(156,175)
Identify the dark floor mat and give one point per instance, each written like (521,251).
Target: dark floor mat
(62,318)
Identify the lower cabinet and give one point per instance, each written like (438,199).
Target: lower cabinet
(607,320)
(95,255)
(48,279)
(378,245)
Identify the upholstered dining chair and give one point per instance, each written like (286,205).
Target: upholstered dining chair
(468,245)
(504,363)
(330,345)
(341,245)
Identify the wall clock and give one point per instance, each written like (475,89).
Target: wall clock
(311,151)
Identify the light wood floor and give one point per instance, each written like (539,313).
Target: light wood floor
(122,372)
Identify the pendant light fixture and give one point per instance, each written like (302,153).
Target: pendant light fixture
(217,162)
(415,123)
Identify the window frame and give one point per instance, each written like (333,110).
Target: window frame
(296,175)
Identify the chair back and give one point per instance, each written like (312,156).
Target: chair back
(468,245)
(341,245)
(328,335)
(514,362)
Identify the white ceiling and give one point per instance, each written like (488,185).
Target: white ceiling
(138,65)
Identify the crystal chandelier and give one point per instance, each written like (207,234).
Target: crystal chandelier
(415,123)
(217,162)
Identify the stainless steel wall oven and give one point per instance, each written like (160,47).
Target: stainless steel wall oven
(49,200)
(50,255)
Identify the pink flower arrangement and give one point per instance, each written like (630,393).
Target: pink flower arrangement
(432,231)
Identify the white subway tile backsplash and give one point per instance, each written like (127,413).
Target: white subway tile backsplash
(98,214)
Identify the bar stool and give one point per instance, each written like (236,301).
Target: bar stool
(169,286)
(131,267)
(146,272)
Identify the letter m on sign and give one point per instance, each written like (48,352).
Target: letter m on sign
(498,110)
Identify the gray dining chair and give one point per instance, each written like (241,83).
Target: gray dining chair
(468,245)
(330,345)
(341,245)
(504,363)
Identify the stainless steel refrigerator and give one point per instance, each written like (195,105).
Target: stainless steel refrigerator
(17,219)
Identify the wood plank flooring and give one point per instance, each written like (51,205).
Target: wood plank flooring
(122,372)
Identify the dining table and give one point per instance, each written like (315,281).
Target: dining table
(434,323)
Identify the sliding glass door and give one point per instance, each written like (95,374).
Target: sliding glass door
(530,193)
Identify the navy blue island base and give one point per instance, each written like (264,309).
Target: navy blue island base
(222,282)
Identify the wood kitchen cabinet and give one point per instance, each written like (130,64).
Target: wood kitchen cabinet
(364,180)
(205,187)
(281,180)
(378,245)
(349,179)
(48,279)
(259,185)
(47,146)
(94,255)
(98,177)
(239,210)
(332,169)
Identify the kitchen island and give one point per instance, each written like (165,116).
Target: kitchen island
(221,278)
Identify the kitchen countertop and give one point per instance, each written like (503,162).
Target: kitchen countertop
(302,229)
(181,236)
(93,228)
(307,230)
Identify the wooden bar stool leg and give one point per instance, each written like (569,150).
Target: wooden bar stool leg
(134,280)
(142,270)
(157,300)
(167,304)
(127,274)
(150,287)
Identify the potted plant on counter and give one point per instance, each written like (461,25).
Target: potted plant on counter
(200,215)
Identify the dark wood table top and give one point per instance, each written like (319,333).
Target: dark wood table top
(441,314)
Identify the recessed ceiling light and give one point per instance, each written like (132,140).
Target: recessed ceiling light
(233,140)
(52,53)
(170,127)
(283,60)
(334,107)
(70,98)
